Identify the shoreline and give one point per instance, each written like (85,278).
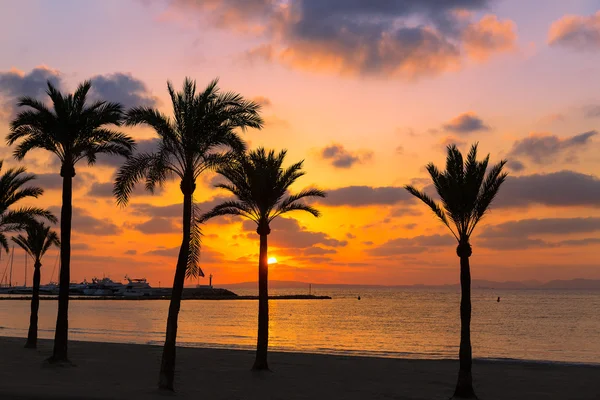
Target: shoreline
(125,371)
(276,297)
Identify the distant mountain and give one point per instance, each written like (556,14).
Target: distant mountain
(579,283)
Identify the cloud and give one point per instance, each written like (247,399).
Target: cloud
(131,252)
(122,88)
(558,189)
(174,210)
(466,123)
(117,87)
(414,245)
(288,233)
(545,226)
(576,32)
(592,111)
(207,255)
(156,225)
(358,196)
(451,140)
(515,165)
(488,36)
(524,234)
(547,149)
(318,251)
(142,146)
(342,158)
(263,101)
(15,83)
(407,39)
(83,222)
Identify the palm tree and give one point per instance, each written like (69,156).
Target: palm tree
(196,139)
(260,184)
(72,130)
(37,242)
(466,193)
(12,191)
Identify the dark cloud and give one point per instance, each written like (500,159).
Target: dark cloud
(547,226)
(174,210)
(142,146)
(87,224)
(576,32)
(131,252)
(357,196)
(101,189)
(409,38)
(318,251)
(339,157)
(564,188)
(288,233)
(525,234)
(515,165)
(592,111)
(122,88)
(466,123)
(14,84)
(417,244)
(80,246)
(207,255)
(156,225)
(546,149)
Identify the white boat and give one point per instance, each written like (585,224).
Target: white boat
(136,287)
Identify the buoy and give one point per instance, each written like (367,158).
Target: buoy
(359,297)
(498,299)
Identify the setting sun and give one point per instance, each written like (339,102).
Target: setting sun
(272,260)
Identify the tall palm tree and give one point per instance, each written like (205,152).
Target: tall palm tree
(36,243)
(72,130)
(260,184)
(201,136)
(12,190)
(466,193)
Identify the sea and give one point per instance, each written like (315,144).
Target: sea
(540,325)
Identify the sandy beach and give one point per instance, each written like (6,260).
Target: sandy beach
(124,371)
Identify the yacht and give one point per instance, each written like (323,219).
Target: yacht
(136,287)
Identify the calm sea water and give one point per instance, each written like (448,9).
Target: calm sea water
(418,323)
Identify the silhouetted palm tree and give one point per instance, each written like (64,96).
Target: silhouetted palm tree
(72,130)
(36,243)
(196,139)
(260,184)
(466,193)
(11,191)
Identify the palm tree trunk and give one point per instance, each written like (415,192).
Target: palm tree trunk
(35,305)
(167,366)
(61,333)
(464,386)
(262,342)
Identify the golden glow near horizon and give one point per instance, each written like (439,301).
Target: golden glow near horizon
(365,118)
(272,260)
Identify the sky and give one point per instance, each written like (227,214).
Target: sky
(366,93)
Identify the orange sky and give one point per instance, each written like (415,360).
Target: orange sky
(366,105)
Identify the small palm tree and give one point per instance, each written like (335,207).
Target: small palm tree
(260,184)
(196,139)
(466,193)
(72,130)
(12,190)
(39,238)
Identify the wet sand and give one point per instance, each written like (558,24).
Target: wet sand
(127,371)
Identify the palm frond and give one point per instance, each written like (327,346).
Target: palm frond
(437,210)
(134,169)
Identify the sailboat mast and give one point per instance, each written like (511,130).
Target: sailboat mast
(25,284)
(12,258)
